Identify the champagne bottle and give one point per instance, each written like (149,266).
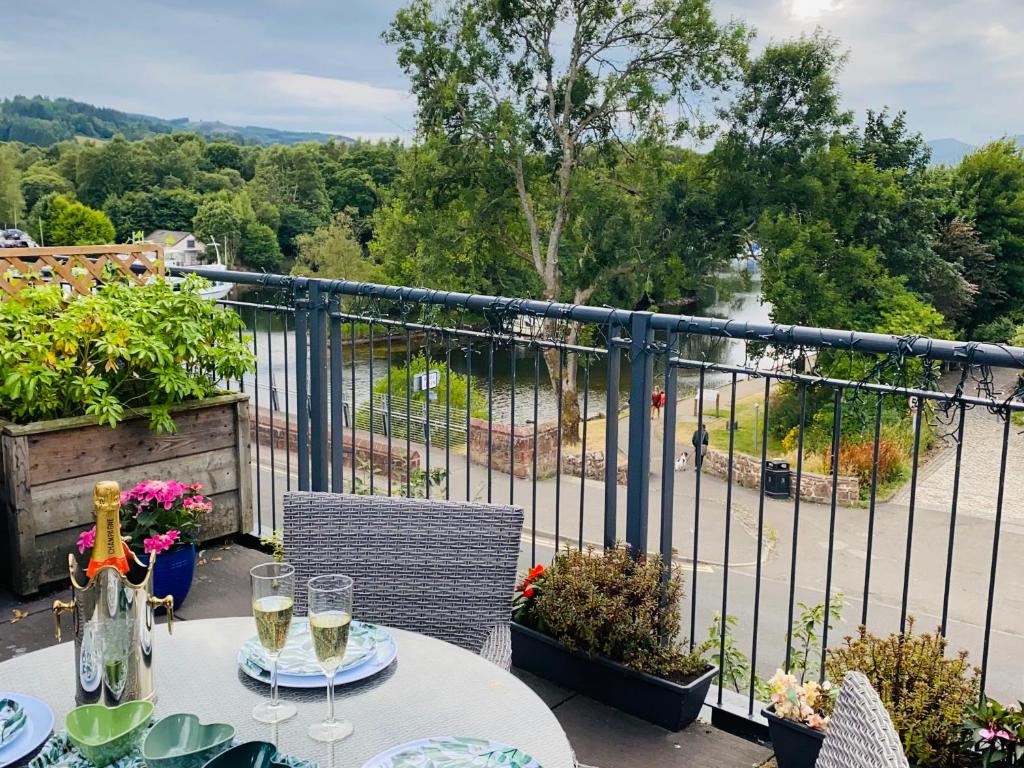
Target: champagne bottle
(109,549)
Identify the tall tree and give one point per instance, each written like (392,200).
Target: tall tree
(12,202)
(334,251)
(495,73)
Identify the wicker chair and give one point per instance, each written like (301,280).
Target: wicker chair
(861,734)
(443,568)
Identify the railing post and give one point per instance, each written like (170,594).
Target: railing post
(641,375)
(611,439)
(302,386)
(318,385)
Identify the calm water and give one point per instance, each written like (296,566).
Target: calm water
(274,344)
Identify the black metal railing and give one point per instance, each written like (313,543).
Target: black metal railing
(333,409)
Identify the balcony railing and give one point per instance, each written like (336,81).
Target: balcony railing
(332,411)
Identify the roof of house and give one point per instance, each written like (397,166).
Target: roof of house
(167,237)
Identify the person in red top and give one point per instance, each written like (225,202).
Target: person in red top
(657,401)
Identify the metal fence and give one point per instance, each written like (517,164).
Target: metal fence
(867,543)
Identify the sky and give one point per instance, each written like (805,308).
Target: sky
(954,65)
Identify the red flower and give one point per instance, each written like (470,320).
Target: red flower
(528,592)
(536,571)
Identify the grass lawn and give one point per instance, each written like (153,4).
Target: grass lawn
(744,440)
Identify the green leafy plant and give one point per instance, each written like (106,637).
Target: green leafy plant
(113,352)
(275,541)
(805,631)
(731,661)
(994,734)
(611,604)
(926,693)
(416,488)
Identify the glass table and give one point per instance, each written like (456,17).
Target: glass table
(432,689)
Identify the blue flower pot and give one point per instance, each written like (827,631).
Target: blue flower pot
(173,572)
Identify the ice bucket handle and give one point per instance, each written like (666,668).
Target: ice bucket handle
(59,607)
(168,604)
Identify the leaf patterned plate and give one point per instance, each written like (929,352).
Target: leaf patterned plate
(453,752)
(385,651)
(298,658)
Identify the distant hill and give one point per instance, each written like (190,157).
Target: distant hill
(42,121)
(952,151)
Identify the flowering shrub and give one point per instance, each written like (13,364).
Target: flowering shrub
(156,515)
(808,703)
(995,733)
(610,604)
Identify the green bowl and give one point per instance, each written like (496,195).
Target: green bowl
(251,754)
(104,735)
(181,741)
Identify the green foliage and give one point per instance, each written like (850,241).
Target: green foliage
(994,733)
(172,209)
(806,629)
(275,543)
(259,247)
(63,221)
(926,693)
(333,252)
(733,663)
(217,219)
(416,487)
(610,604)
(12,201)
(41,179)
(112,352)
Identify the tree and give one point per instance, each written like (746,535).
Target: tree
(12,203)
(171,209)
(259,247)
(69,222)
(41,179)
(216,219)
(960,248)
(988,190)
(334,252)
(105,171)
(490,73)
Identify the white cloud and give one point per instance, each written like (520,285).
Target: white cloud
(812,9)
(314,92)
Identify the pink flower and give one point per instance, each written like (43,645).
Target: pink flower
(160,543)
(987,734)
(86,540)
(1005,735)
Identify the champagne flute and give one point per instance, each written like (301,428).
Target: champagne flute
(330,618)
(273,599)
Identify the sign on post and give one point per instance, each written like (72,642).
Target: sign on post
(424,382)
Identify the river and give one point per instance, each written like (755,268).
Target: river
(270,344)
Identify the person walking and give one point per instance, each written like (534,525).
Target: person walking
(700,446)
(657,401)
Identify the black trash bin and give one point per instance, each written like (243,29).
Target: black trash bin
(776,479)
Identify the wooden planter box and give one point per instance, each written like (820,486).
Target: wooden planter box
(662,702)
(48,470)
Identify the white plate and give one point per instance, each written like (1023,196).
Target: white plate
(452,752)
(298,659)
(385,653)
(35,733)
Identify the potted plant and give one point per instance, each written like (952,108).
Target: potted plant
(120,384)
(162,517)
(927,694)
(797,718)
(606,624)
(994,734)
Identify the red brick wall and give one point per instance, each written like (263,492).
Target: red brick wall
(504,440)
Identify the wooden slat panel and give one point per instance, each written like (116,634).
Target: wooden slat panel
(225,519)
(68,503)
(89,450)
(16,508)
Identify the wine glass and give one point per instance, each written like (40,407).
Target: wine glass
(330,618)
(273,600)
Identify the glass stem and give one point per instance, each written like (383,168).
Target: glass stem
(273,681)
(330,697)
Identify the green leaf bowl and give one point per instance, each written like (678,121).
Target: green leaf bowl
(104,735)
(251,754)
(181,741)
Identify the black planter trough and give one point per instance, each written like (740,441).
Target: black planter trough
(670,705)
(796,745)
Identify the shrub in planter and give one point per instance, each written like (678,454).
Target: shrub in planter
(797,718)
(926,693)
(162,517)
(112,352)
(608,624)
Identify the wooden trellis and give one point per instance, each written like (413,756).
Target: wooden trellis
(80,268)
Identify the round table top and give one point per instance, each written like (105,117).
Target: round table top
(432,689)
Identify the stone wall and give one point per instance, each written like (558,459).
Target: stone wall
(285,435)
(595,466)
(746,471)
(513,448)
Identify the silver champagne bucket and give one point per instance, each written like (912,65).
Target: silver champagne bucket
(113,626)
